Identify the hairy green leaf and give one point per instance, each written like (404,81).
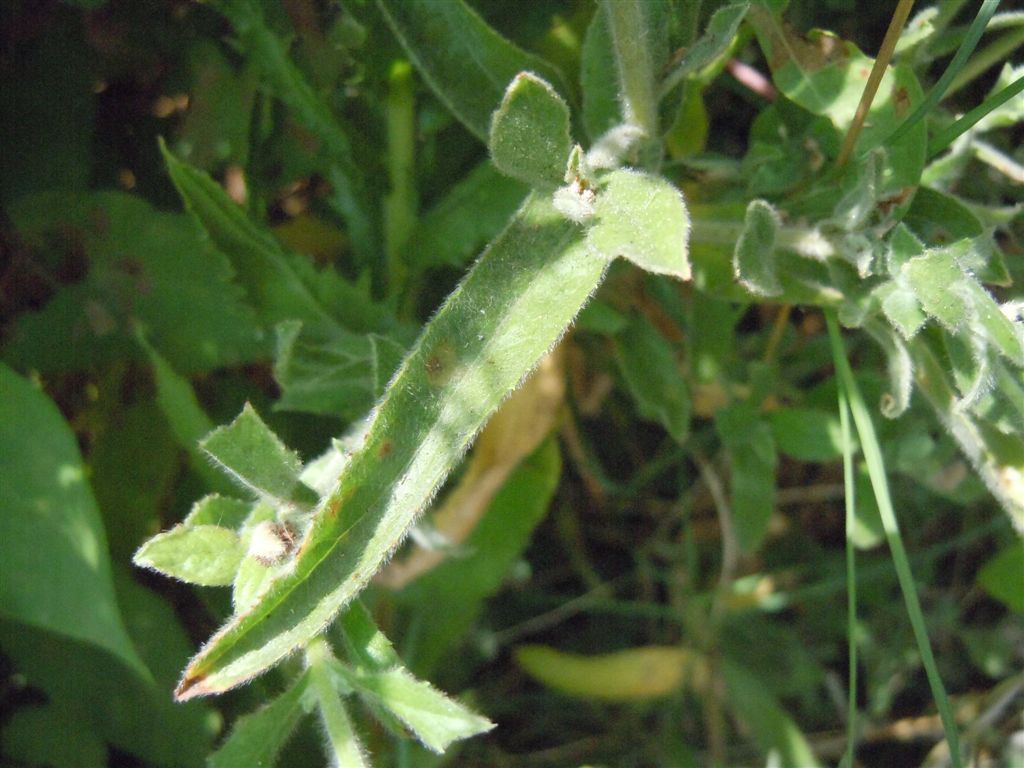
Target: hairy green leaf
(207,555)
(641,218)
(754,258)
(529,138)
(258,737)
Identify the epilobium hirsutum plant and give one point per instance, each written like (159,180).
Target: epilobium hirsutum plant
(843,202)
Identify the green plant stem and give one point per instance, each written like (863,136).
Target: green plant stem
(805,241)
(892,36)
(636,70)
(341,737)
(946,137)
(850,486)
(400,207)
(997,51)
(880,485)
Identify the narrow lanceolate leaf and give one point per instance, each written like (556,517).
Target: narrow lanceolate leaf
(466,62)
(753,261)
(515,303)
(529,137)
(257,738)
(436,719)
(654,377)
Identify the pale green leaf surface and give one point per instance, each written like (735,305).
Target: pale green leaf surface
(753,260)
(254,456)
(207,555)
(901,307)
(513,305)
(466,62)
(641,218)
(654,376)
(436,719)
(257,738)
(214,509)
(54,564)
(529,138)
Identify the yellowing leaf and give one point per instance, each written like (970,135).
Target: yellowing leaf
(631,675)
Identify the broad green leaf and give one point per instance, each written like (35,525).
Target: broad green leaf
(269,54)
(143,268)
(653,374)
(471,213)
(54,564)
(207,555)
(1002,576)
(760,711)
(257,738)
(529,138)
(753,261)
(433,717)
(599,78)
(826,76)
(635,674)
(335,372)
(254,456)
(94,687)
(466,62)
(513,305)
(641,218)
(806,434)
(462,584)
(752,462)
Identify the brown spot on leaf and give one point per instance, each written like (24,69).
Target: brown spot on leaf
(901,101)
(386,449)
(440,365)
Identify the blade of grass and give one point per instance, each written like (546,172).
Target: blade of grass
(879,482)
(946,137)
(995,53)
(974,33)
(850,484)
